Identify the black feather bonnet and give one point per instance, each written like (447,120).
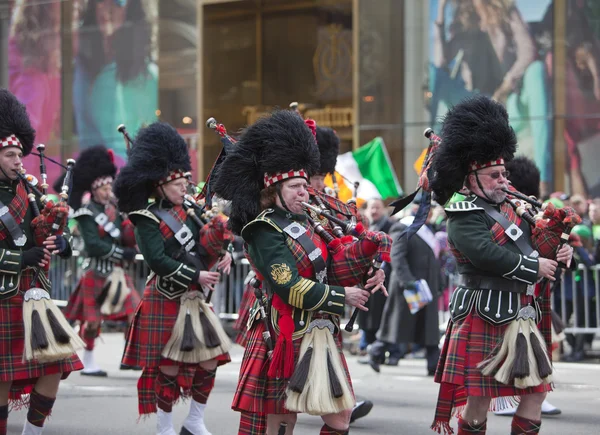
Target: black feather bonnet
(524,176)
(93,163)
(274,144)
(158,152)
(14,120)
(329,148)
(475,131)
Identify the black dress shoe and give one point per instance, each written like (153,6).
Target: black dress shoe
(361,409)
(392,362)
(97,374)
(375,365)
(128,367)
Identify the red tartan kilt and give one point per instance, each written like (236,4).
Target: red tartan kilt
(256,392)
(23,375)
(82,304)
(246,304)
(151,329)
(468,342)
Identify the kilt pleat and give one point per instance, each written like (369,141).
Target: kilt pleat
(258,393)
(468,342)
(82,304)
(23,375)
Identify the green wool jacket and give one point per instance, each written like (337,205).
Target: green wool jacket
(163,255)
(96,245)
(470,233)
(270,251)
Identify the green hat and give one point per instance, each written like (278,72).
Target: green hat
(582,231)
(557,202)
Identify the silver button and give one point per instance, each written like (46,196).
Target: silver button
(497,316)
(522,267)
(2,289)
(510,311)
(333,293)
(301,323)
(10,284)
(8,253)
(486,309)
(329,303)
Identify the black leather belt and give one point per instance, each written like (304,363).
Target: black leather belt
(481,282)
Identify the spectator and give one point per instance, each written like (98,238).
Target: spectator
(375,212)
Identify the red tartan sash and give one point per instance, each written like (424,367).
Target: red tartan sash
(178,213)
(497,232)
(17,209)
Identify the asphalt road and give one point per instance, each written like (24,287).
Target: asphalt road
(404,401)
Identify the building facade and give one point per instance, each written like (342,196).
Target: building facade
(366,68)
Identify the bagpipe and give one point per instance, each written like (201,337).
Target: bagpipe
(197,334)
(48,335)
(551,226)
(349,233)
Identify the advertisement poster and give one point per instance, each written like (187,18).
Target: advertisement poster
(115,75)
(496,47)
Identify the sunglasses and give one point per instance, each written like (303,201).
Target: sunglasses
(496,174)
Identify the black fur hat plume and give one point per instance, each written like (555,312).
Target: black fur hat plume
(524,176)
(475,130)
(277,143)
(92,163)
(157,151)
(15,120)
(329,148)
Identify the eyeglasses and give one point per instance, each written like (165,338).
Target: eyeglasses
(496,174)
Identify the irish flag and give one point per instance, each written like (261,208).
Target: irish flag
(370,165)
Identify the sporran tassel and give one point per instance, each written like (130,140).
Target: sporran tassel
(48,335)
(115,292)
(211,339)
(189,332)
(39,340)
(541,357)
(326,377)
(103,293)
(188,339)
(298,379)
(520,366)
(334,381)
(60,335)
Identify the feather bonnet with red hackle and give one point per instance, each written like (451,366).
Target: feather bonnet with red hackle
(94,167)
(15,126)
(275,148)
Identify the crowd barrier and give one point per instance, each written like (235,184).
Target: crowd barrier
(580,314)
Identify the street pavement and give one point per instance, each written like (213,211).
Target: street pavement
(404,400)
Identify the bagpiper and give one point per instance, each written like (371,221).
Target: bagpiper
(25,246)
(175,336)
(105,291)
(493,350)
(293,360)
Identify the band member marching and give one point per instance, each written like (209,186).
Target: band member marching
(104,291)
(25,248)
(175,336)
(493,349)
(265,176)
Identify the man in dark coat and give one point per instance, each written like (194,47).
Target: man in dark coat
(412,259)
(369,321)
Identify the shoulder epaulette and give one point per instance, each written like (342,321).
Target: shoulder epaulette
(460,206)
(146,213)
(83,211)
(263,217)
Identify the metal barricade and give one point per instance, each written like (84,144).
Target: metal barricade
(64,275)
